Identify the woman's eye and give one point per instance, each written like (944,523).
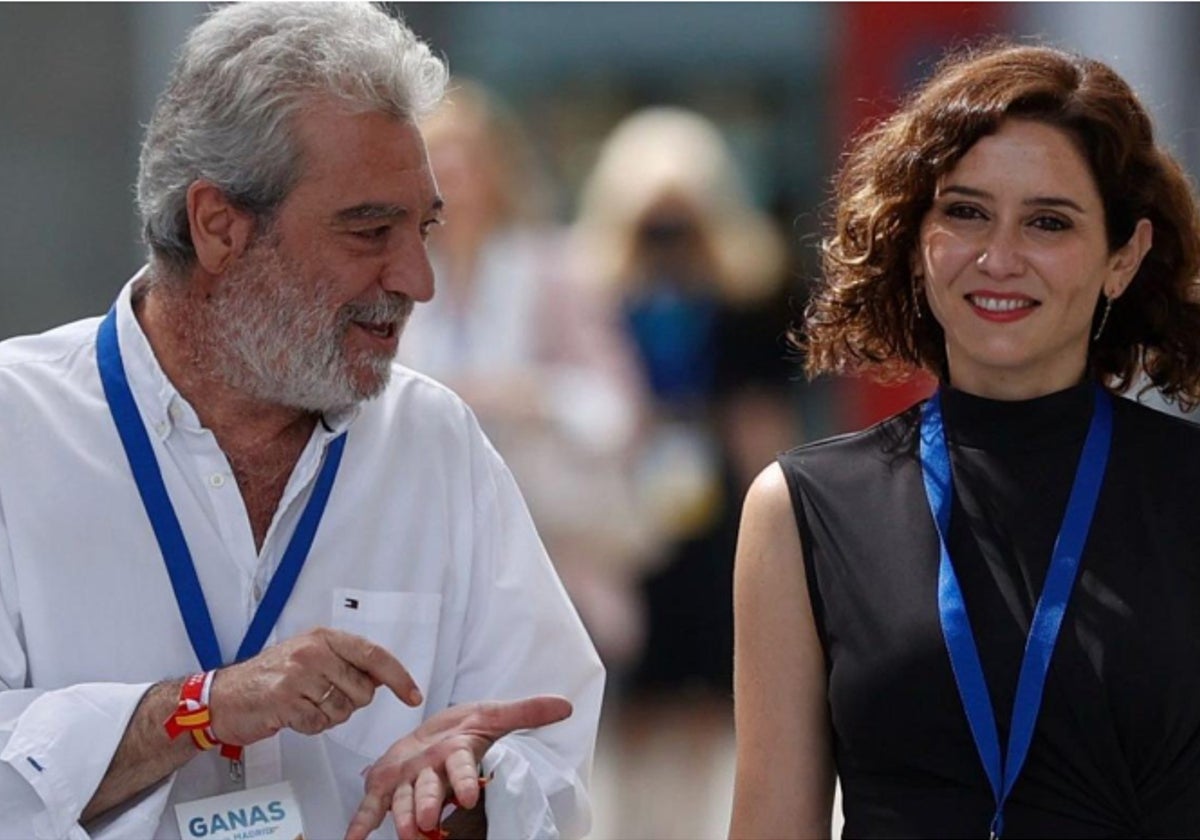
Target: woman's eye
(964,211)
(1051,223)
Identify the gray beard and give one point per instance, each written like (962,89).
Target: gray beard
(270,339)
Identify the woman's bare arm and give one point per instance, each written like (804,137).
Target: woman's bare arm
(785,773)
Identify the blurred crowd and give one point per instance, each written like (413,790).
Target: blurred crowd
(629,364)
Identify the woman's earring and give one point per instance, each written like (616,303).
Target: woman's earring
(1108,302)
(916,294)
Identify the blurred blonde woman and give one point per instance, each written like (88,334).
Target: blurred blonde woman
(667,231)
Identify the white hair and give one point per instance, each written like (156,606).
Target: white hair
(227,115)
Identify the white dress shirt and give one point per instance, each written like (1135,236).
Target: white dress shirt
(425,533)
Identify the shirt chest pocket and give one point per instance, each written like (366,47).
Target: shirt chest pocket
(406,624)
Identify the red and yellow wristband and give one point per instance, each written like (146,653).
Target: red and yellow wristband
(193,716)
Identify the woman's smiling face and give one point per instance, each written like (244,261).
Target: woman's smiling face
(1013,256)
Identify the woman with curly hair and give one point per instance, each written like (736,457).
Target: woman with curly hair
(982,615)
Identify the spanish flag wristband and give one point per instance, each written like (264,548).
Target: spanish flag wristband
(193,716)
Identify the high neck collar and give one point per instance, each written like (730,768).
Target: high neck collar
(1042,422)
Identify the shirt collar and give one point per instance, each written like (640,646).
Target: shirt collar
(336,422)
(161,404)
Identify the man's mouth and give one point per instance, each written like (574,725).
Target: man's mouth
(379,329)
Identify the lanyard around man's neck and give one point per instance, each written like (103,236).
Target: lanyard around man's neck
(1047,615)
(167,530)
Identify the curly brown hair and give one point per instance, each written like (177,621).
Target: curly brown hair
(865,317)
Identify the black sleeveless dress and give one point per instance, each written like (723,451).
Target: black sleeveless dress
(1116,749)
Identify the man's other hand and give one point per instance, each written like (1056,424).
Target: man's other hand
(439,760)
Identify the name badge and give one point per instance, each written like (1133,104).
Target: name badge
(264,813)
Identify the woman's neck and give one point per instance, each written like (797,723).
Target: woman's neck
(1012,384)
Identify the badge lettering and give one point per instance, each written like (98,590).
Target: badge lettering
(239,818)
(266,813)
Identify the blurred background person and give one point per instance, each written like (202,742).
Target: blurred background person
(539,360)
(667,232)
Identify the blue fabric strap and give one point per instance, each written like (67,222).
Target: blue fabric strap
(284,579)
(1047,616)
(167,530)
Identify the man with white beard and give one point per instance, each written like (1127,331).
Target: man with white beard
(253,574)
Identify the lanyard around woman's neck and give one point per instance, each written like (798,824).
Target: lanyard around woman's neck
(1047,616)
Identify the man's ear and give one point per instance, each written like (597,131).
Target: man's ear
(220,230)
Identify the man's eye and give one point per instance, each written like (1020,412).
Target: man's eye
(427,227)
(371,234)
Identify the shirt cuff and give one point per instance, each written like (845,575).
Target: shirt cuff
(530,797)
(516,807)
(63,743)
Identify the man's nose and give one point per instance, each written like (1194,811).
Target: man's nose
(408,272)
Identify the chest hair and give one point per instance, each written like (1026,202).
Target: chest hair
(261,478)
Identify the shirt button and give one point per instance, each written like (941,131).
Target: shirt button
(216,480)
(175,411)
(161,428)
(258,593)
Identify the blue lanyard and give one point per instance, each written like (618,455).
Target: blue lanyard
(1047,616)
(146,473)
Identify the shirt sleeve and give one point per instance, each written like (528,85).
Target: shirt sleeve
(523,637)
(55,746)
